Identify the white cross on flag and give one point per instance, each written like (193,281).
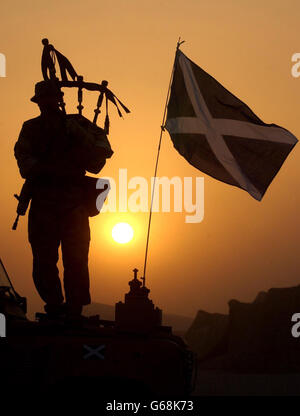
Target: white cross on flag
(220,135)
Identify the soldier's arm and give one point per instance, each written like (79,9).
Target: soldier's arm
(29,164)
(24,154)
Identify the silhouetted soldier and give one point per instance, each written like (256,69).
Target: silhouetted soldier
(53,152)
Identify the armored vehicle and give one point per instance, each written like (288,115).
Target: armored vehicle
(133,355)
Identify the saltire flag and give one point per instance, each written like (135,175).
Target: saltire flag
(219,134)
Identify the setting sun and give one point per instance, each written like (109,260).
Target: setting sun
(122,232)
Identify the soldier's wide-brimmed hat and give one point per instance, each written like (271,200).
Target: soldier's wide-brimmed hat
(46,89)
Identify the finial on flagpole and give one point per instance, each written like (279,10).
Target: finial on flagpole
(179,43)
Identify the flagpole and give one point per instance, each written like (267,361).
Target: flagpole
(162,129)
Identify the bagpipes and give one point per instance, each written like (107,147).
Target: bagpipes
(50,56)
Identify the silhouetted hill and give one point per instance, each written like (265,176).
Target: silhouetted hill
(206,333)
(179,323)
(253,337)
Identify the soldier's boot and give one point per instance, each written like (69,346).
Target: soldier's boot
(73,315)
(57,311)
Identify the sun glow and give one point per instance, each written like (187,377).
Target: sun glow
(122,233)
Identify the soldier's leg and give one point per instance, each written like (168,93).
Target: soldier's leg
(44,238)
(75,240)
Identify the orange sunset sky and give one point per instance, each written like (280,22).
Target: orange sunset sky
(242,246)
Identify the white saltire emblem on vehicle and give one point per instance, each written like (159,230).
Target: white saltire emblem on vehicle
(94,351)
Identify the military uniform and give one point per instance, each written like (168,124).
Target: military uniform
(53,153)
